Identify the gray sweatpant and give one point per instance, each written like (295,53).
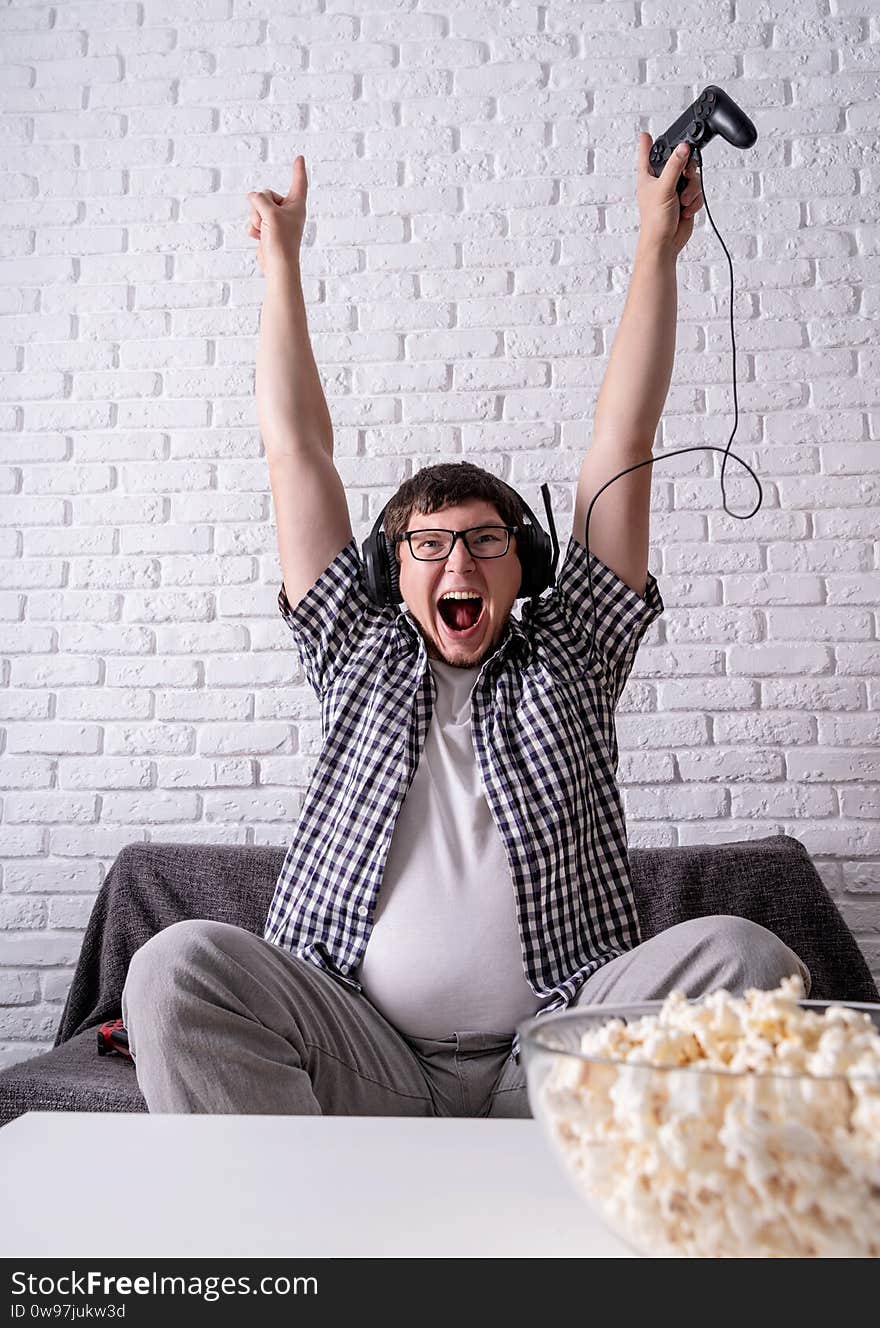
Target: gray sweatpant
(220,1020)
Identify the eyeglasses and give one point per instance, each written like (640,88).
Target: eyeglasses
(480,542)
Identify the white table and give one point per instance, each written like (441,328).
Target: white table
(78,1184)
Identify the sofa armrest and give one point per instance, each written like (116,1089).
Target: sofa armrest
(771,881)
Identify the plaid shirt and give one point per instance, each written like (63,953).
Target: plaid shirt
(543,731)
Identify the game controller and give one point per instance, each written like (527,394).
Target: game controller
(712,114)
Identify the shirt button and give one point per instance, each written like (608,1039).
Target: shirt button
(343,968)
(363,911)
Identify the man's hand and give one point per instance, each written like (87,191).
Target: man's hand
(665,223)
(278,222)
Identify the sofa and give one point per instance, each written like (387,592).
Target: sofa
(152,885)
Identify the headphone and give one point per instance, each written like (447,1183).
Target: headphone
(538,555)
(533,544)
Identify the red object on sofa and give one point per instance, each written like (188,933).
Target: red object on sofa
(112,1037)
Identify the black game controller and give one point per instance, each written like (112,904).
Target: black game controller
(712,113)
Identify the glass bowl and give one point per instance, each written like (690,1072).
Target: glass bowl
(683,1161)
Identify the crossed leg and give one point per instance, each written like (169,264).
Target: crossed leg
(694,957)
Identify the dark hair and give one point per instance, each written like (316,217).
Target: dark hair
(445,485)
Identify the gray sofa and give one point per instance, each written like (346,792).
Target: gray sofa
(150,886)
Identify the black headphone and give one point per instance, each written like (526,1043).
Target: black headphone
(538,554)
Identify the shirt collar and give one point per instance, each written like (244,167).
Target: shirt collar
(408,638)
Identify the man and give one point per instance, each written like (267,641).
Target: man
(459,864)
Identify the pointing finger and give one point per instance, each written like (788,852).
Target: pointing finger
(299,181)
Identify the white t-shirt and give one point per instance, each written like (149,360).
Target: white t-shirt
(444,954)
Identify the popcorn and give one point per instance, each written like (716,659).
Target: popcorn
(741,1127)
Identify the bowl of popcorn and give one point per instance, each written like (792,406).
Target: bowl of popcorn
(724,1127)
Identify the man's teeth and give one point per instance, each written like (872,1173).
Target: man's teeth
(460,594)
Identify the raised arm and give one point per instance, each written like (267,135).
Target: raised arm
(311,510)
(637,379)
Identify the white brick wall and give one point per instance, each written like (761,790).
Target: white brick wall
(472,220)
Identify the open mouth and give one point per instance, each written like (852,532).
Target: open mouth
(462,618)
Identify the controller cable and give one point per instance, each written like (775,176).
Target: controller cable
(681,450)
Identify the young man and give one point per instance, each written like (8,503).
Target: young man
(460,859)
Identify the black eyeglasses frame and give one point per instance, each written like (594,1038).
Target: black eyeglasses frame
(456,535)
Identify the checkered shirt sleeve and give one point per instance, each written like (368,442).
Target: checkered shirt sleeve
(331,622)
(622,615)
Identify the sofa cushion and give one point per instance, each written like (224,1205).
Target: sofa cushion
(72,1077)
(771,881)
